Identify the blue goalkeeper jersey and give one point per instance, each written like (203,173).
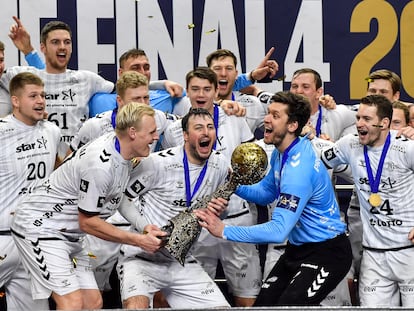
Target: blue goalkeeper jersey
(306,210)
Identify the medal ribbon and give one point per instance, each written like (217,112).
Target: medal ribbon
(113,122)
(113,117)
(189,195)
(319,122)
(374,183)
(216,120)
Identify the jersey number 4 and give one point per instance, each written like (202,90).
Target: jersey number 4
(385,207)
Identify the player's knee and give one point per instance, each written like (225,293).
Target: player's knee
(72,301)
(93,302)
(136,302)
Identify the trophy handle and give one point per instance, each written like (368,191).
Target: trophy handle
(224,191)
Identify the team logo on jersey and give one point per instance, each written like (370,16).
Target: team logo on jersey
(264,98)
(105,156)
(166,153)
(101,202)
(288,201)
(329,154)
(136,187)
(295,160)
(84,185)
(41,142)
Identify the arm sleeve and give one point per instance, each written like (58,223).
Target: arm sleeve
(157,85)
(263,192)
(242,81)
(101,102)
(129,211)
(33,59)
(293,198)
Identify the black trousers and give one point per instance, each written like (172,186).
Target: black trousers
(306,274)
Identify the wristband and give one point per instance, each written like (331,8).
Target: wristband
(251,77)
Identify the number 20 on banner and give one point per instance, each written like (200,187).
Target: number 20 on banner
(378,48)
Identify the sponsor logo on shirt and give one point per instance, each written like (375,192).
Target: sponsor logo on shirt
(101,202)
(40,143)
(65,95)
(84,185)
(330,154)
(288,201)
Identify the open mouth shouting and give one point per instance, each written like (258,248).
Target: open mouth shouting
(204,146)
(201,103)
(61,56)
(362,133)
(223,85)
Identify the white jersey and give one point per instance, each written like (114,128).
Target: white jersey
(387,226)
(335,122)
(232,131)
(5,105)
(104,123)
(255,110)
(28,156)
(67,96)
(158,184)
(92,180)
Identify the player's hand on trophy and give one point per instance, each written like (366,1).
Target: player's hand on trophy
(217,206)
(153,238)
(210,221)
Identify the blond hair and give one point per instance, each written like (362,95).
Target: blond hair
(131,115)
(130,80)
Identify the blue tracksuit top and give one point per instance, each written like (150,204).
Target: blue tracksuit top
(306,211)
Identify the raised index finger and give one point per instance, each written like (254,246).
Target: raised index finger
(269,53)
(18,21)
(263,63)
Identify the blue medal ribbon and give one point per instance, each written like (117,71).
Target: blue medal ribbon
(113,122)
(113,117)
(216,122)
(319,122)
(189,195)
(374,183)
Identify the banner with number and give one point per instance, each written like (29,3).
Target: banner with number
(343,40)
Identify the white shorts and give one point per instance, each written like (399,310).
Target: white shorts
(183,287)
(104,255)
(339,296)
(240,261)
(16,280)
(355,238)
(55,266)
(385,277)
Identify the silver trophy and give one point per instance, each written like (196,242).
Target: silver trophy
(249,164)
